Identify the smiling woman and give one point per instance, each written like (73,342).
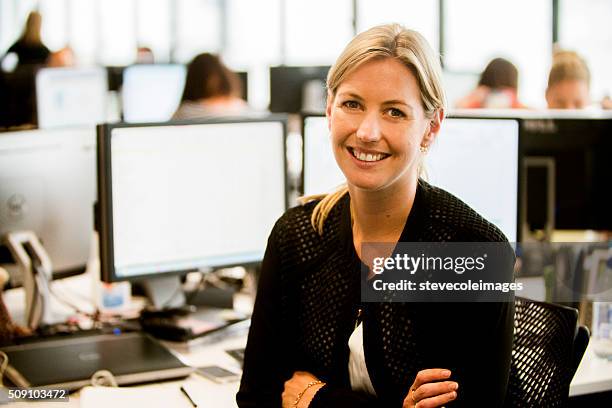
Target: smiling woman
(313,342)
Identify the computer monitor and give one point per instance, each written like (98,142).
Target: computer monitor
(71,97)
(48,185)
(298,89)
(565,156)
(151,93)
(579,148)
(474,159)
(178,197)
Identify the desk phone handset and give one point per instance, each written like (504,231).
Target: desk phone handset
(35,266)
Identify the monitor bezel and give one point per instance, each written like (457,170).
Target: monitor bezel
(104,224)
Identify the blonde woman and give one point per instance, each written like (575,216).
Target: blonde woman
(569,82)
(29,47)
(312,343)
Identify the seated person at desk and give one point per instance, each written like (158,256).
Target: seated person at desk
(312,343)
(568,82)
(29,48)
(211,89)
(497,88)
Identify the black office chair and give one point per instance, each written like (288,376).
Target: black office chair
(547,348)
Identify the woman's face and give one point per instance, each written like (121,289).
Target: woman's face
(568,94)
(377,125)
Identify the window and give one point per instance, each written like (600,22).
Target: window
(82,22)
(117,31)
(153,27)
(584,28)
(198,28)
(477,31)
(55,27)
(253,43)
(316,30)
(418,15)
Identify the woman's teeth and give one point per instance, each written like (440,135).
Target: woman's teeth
(368,157)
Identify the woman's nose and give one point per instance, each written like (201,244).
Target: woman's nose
(369,129)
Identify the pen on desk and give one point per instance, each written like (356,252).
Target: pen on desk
(184,391)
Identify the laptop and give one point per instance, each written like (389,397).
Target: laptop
(70,362)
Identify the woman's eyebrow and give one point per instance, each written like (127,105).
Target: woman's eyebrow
(351,95)
(395,102)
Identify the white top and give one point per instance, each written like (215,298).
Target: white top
(358,371)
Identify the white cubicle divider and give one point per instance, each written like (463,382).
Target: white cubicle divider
(71,97)
(474,159)
(48,185)
(152,93)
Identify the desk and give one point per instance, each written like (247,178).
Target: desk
(593,375)
(207,351)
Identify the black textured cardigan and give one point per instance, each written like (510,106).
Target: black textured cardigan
(309,294)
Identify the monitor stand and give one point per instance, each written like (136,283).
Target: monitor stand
(165,292)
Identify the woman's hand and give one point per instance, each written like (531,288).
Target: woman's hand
(296,385)
(429,390)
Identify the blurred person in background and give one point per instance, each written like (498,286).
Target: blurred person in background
(497,88)
(144,55)
(29,48)
(211,89)
(61,58)
(569,82)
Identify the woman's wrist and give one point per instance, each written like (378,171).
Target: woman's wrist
(307,394)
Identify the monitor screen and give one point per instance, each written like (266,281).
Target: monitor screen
(48,185)
(468,159)
(298,89)
(180,197)
(71,97)
(579,149)
(152,93)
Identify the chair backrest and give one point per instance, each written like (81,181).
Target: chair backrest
(547,348)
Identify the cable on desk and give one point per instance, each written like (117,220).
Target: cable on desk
(72,305)
(3,366)
(103,378)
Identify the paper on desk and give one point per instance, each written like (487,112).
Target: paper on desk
(124,397)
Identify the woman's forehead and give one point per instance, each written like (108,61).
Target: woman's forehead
(386,80)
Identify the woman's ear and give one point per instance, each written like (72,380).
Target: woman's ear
(433,128)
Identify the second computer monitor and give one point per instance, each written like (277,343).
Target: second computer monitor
(152,93)
(297,89)
(474,159)
(71,97)
(48,186)
(180,197)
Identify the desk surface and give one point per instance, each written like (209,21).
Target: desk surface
(593,375)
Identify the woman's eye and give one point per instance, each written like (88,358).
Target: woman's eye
(396,113)
(351,104)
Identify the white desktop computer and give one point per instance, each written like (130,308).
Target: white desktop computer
(48,186)
(151,93)
(71,97)
(474,159)
(184,197)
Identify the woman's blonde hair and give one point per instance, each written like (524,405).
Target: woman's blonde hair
(568,65)
(31,31)
(384,41)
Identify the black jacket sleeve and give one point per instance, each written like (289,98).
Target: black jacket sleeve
(266,362)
